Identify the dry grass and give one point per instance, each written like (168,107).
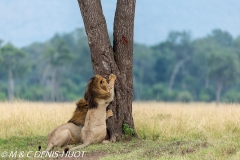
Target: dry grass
(32,119)
(191,120)
(171,130)
(153,120)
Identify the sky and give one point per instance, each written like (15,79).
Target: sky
(23,22)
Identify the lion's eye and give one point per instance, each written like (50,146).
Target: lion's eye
(101,82)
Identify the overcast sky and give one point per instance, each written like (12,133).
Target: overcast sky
(25,21)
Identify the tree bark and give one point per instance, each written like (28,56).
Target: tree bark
(10,85)
(117,59)
(123,49)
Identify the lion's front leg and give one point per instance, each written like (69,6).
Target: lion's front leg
(112,79)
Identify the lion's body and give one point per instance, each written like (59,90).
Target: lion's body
(69,133)
(63,135)
(94,129)
(88,123)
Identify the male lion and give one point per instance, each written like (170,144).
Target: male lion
(70,133)
(94,129)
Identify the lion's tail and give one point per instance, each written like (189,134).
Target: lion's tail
(49,147)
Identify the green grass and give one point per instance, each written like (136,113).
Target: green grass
(20,144)
(138,149)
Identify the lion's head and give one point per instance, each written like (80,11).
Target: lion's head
(97,88)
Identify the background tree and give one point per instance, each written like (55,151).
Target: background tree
(117,59)
(152,68)
(14,64)
(178,51)
(223,69)
(222,61)
(142,55)
(57,57)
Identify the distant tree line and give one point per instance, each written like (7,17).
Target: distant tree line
(177,69)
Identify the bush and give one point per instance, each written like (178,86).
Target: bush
(3,96)
(207,94)
(232,96)
(157,91)
(184,96)
(204,97)
(127,130)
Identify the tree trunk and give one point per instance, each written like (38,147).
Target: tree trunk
(219,90)
(117,59)
(54,85)
(123,49)
(174,73)
(10,85)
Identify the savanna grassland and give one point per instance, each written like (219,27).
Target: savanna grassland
(166,130)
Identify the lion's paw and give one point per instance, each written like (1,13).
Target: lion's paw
(109,113)
(112,77)
(106,141)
